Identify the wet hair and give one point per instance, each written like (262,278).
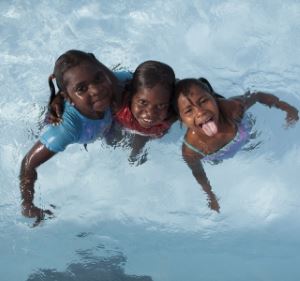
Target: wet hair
(183,87)
(149,74)
(66,61)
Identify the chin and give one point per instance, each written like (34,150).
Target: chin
(101,108)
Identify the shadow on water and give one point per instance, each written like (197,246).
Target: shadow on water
(91,268)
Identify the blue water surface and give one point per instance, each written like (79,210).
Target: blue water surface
(114,221)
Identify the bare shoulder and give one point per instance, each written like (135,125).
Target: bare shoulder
(233,107)
(188,153)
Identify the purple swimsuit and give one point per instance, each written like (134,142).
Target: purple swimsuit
(230,149)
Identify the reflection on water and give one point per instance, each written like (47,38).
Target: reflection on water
(90,268)
(154,213)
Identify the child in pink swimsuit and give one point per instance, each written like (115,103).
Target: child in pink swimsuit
(217,128)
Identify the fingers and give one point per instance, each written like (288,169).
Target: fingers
(48,212)
(39,214)
(291,119)
(41,217)
(37,221)
(51,119)
(58,110)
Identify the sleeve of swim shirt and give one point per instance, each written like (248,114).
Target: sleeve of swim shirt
(57,138)
(123,75)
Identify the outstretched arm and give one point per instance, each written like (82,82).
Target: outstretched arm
(138,156)
(194,163)
(28,175)
(270,100)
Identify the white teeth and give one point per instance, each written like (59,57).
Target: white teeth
(204,122)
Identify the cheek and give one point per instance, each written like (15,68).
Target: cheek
(188,121)
(134,109)
(214,107)
(164,113)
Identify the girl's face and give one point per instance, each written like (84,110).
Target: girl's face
(150,106)
(89,88)
(199,111)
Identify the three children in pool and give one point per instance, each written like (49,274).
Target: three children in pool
(94,96)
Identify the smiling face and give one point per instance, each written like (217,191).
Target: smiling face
(199,111)
(150,106)
(89,88)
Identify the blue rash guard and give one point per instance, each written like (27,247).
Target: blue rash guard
(77,128)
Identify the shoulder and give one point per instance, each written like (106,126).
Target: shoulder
(56,138)
(123,78)
(123,75)
(189,149)
(233,108)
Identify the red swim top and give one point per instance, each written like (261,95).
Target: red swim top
(125,118)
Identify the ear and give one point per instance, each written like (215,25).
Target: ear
(64,94)
(66,97)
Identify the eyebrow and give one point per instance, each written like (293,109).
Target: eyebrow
(191,102)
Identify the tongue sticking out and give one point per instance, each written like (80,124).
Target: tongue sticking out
(210,128)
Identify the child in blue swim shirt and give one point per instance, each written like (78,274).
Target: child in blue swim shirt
(217,128)
(88,87)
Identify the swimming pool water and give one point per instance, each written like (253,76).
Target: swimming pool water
(114,221)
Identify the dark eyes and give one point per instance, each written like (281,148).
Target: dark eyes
(188,110)
(202,101)
(145,103)
(81,88)
(142,102)
(162,106)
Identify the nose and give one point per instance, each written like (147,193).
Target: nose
(95,89)
(150,111)
(198,111)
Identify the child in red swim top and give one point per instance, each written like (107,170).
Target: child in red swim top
(144,111)
(146,103)
(125,117)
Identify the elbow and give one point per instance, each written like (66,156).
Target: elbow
(27,169)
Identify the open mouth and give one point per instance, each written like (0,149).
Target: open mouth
(146,122)
(209,126)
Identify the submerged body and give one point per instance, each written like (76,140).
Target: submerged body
(217,128)
(89,86)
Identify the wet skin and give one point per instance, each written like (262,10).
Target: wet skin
(150,106)
(198,108)
(89,88)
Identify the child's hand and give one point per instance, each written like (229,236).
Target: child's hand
(214,205)
(213,202)
(31,211)
(55,110)
(291,115)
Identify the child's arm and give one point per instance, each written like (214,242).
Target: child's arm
(137,145)
(194,163)
(28,175)
(270,100)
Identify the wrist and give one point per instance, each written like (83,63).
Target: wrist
(26,204)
